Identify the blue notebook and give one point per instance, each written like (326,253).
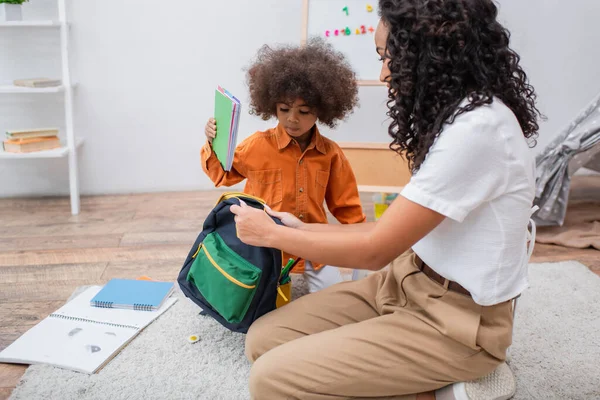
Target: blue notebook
(133,294)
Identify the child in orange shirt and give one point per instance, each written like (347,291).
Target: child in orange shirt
(292,166)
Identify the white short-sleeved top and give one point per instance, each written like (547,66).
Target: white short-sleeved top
(480,174)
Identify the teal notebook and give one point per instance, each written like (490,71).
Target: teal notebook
(227,113)
(133,294)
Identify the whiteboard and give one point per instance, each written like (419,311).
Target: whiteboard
(349,25)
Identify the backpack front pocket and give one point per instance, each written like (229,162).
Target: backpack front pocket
(226,280)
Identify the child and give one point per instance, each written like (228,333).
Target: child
(292,166)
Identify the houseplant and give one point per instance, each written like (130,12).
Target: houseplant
(10,10)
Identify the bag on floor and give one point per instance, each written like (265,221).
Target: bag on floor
(231,281)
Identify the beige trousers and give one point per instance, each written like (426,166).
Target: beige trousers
(390,335)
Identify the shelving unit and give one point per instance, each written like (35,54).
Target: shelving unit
(31,24)
(54,153)
(69,150)
(18,89)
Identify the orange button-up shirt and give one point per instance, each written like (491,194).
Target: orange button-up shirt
(290,180)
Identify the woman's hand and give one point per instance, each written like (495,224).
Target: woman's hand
(287,219)
(210,130)
(254,226)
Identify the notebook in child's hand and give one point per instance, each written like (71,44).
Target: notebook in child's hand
(133,294)
(227,115)
(80,337)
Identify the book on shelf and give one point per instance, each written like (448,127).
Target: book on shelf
(31,145)
(31,133)
(37,82)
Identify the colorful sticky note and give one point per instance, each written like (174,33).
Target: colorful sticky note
(345,9)
(369,8)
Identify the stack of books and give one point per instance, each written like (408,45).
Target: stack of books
(29,140)
(37,82)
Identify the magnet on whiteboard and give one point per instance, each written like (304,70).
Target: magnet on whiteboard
(369,8)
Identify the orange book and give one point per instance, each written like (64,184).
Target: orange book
(31,145)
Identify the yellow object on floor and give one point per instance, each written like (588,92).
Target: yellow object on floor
(193,338)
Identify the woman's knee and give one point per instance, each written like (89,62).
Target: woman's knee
(263,378)
(256,340)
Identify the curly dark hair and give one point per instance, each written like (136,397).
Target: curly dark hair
(441,52)
(315,73)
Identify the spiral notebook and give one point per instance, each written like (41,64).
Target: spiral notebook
(133,294)
(80,337)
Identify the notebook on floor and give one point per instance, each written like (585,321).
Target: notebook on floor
(133,294)
(80,337)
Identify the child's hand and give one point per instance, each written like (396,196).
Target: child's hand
(211,129)
(287,219)
(252,226)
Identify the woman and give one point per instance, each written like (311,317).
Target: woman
(464,115)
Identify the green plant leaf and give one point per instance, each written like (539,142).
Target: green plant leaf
(13,1)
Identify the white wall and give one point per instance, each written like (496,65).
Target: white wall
(558,43)
(147,69)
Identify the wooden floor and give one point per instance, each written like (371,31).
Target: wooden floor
(45,253)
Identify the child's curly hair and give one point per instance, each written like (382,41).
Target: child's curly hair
(315,73)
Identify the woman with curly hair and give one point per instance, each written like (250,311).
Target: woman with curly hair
(292,166)
(463,114)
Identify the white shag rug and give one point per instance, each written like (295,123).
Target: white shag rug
(556,351)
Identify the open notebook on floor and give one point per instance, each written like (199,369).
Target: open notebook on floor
(80,337)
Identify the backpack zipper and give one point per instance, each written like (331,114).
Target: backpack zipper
(222,271)
(237,195)
(280,291)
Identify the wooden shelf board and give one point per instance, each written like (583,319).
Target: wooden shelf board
(54,153)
